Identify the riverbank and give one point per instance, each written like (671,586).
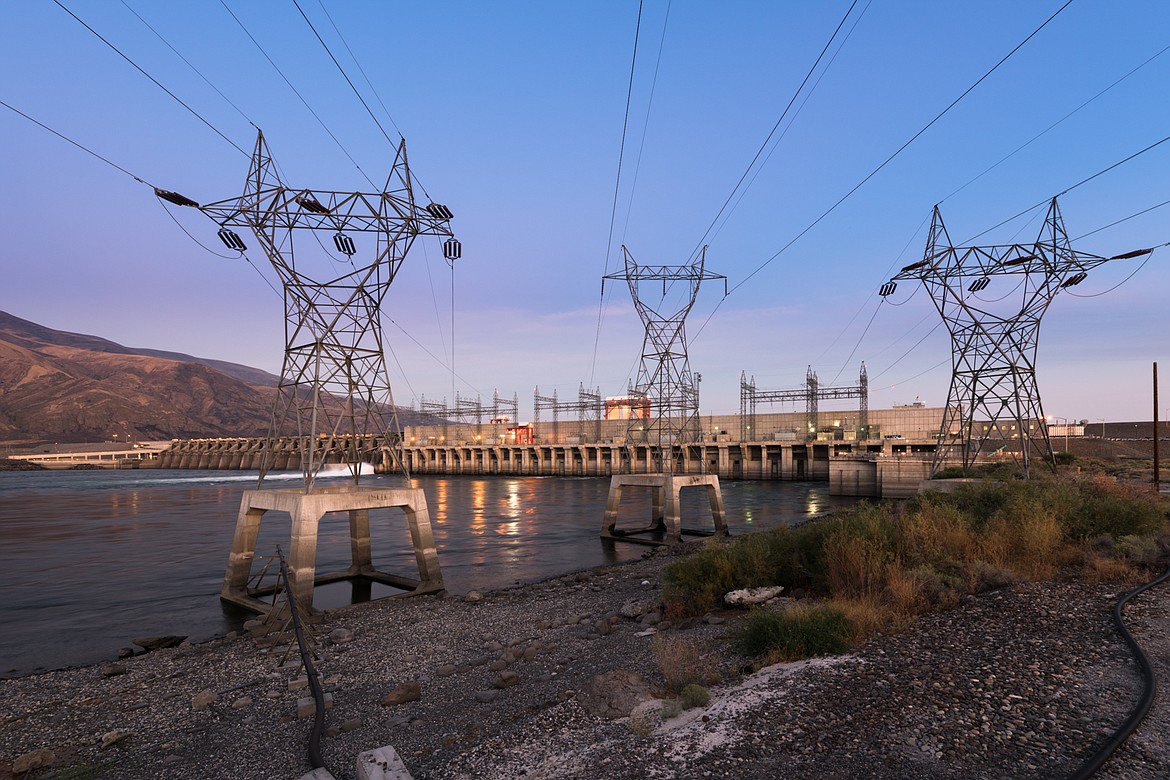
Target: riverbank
(1020,682)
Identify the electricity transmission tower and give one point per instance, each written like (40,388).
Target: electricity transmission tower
(334,393)
(994,334)
(664,375)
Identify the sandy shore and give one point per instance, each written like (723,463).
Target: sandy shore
(1023,682)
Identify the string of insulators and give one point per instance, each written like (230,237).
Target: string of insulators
(1019,260)
(1075,279)
(979,284)
(309,203)
(452,249)
(344,244)
(231,239)
(439,211)
(174,197)
(888,289)
(1134,253)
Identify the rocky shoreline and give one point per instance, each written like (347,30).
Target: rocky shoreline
(537,682)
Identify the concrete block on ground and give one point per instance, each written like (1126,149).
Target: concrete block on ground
(321,773)
(307,706)
(382,764)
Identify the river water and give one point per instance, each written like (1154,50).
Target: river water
(90,560)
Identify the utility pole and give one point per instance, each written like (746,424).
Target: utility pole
(1157,476)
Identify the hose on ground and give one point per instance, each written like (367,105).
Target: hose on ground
(1150,683)
(314,748)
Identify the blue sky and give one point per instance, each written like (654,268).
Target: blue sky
(513,116)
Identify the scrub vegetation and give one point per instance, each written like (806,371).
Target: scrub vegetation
(877,566)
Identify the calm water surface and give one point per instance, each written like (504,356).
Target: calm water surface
(90,560)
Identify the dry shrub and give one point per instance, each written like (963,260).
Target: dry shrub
(1100,568)
(683,662)
(1024,538)
(855,565)
(904,591)
(867,615)
(935,534)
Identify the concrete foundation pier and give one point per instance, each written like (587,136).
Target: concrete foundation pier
(666,519)
(306,511)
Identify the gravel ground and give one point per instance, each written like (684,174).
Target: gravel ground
(1023,682)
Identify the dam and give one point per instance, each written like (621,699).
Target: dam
(888,458)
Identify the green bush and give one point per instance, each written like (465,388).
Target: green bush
(794,633)
(694,696)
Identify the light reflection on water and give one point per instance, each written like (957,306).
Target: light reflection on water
(106,557)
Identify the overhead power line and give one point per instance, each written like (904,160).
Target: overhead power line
(155,81)
(616,189)
(884,163)
(775,127)
(296,92)
(85,149)
(345,75)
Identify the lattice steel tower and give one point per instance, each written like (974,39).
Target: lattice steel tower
(334,393)
(664,374)
(994,338)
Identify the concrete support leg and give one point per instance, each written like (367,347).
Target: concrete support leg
(609,521)
(235,580)
(660,510)
(418,520)
(302,553)
(359,542)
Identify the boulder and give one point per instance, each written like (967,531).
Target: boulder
(407,692)
(340,636)
(204,699)
(114,737)
(506,679)
(749,596)
(40,758)
(149,643)
(615,694)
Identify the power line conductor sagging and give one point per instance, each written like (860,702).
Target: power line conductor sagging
(334,388)
(991,299)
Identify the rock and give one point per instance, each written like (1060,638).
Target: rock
(498,665)
(530,653)
(333,731)
(407,692)
(635,608)
(473,596)
(381,764)
(748,596)
(506,679)
(486,697)
(113,670)
(715,620)
(159,642)
(40,758)
(446,670)
(353,724)
(113,737)
(125,652)
(203,699)
(242,702)
(307,707)
(340,636)
(615,694)
(651,618)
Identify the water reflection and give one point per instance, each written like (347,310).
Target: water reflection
(115,555)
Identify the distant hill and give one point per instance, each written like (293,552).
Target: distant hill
(70,387)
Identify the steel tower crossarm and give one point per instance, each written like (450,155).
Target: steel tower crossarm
(334,390)
(664,374)
(995,334)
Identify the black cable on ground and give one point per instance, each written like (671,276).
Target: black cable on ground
(314,749)
(1095,761)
